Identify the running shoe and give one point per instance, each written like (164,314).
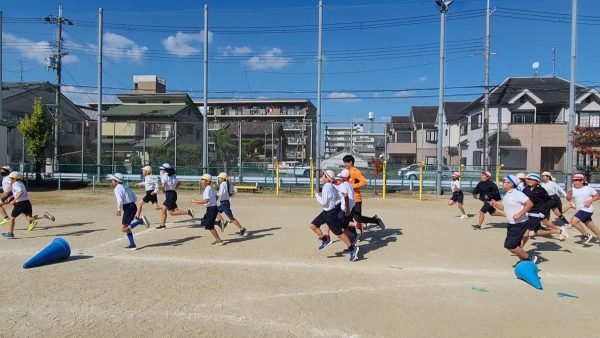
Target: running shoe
(586,239)
(32,225)
(242,232)
(131,247)
(49,216)
(218,243)
(563,233)
(464,216)
(325,242)
(225,223)
(191,213)
(380,222)
(5,220)
(220,225)
(8,235)
(162,226)
(354,254)
(146,222)
(476,226)
(533,258)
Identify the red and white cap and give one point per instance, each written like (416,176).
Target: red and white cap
(329,174)
(455,174)
(487,173)
(579,177)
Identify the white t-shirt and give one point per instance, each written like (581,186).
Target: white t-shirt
(211,195)
(553,188)
(346,188)
(150,183)
(329,197)
(579,196)
(124,195)
(455,185)
(17,187)
(223,193)
(169,182)
(513,202)
(6,183)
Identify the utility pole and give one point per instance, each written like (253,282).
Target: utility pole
(319,82)
(20,68)
(205,103)
(486,105)
(99,122)
(554,59)
(56,64)
(571,122)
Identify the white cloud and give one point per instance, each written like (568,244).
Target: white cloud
(120,47)
(33,50)
(271,59)
(405,93)
(229,50)
(185,44)
(344,97)
(422,79)
(83,96)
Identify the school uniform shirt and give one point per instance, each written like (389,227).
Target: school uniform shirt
(455,186)
(357,181)
(6,183)
(223,193)
(345,188)
(513,202)
(487,191)
(540,198)
(150,183)
(211,195)
(579,196)
(17,187)
(169,182)
(124,196)
(328,198)
(553,188)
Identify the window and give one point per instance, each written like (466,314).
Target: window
(475,121)
(463,128)
(546,117)
(521,117)
(446,132)
(589,119)
(430,160)
(431,135)
(477,158)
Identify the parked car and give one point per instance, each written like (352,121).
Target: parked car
(292,168)
(412,172)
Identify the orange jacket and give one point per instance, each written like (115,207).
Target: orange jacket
(357,180)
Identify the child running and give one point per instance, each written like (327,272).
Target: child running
(554,190)
(150,185)
(583,197)
(329,216)
(457,194)
(6,193)
(346,202)
(487,191)
(126,207)
(22,205)
(515,206)
(170,183)
(209,199)
(223,195)
(357,181)
(541,207)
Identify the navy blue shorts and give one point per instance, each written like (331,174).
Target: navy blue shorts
(584,216)
(343,219)
(23,207)
(225,208)
(457,196)
(330,218)
(514,235)
(208,221)
(170,200)
(129,211)
(534,223)
(150,198)
(487,208)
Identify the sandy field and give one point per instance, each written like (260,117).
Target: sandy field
(427,274)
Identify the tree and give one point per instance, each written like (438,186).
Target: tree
(377,165)
(224,145)
(586,140)
(252,149)
(36,130)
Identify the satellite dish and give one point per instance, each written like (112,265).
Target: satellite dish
(535,65)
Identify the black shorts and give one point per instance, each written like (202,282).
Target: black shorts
(225,208)
(343,219)
(129,211)
(534,223)
(150,198)
(357,212)
(170,200)
(555,202)
(457,196)
(208,221)
(514,235)
(23,207)
(487,208)
(330,218)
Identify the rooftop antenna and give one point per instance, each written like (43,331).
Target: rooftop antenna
(554,59)
(535,66)
(371,119)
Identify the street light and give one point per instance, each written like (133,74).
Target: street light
(443,5)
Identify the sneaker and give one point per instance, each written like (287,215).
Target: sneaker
(586,239)
(225,223)
(32,225)
(464,217)
(131,247)
(243,232)
(354,254)
(162,226)
(218,243)
(146,222)
(49,216)
(380,222)
(191,213)
(325,242)
(533,258)
(8,235)
(563,233)
(5,220)
(476,226)
(220,225)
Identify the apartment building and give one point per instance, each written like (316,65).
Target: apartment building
(353,139)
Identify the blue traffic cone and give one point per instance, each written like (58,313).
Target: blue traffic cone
(57,250)
(528,271)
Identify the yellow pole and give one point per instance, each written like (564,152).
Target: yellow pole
(421,165)
(384,178)
(498,173)
(312,178)
(460,170)
(276,177)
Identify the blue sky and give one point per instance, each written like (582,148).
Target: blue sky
(380,56)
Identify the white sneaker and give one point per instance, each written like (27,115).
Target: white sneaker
(586,239)
(563,233)
(146,222)
(464,217)
(47,215)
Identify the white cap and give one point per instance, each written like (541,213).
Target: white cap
(117,177)
(345,173)
(165,166)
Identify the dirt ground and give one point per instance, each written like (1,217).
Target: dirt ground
(427,274)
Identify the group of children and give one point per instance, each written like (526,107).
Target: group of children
(526,205)
(131,209)
(15,193)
